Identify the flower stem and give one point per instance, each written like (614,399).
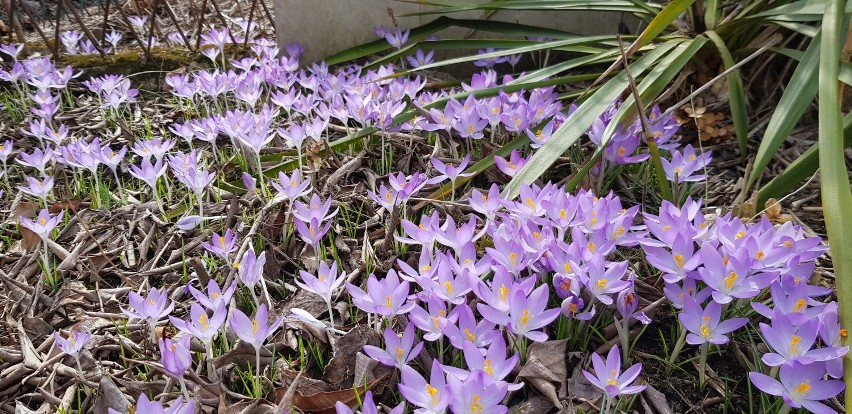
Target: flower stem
(702,365)
(257,389)
(681,340)
(624,336)
(330,314)
(260,176)
(211,368)
(183,389)
(785,409)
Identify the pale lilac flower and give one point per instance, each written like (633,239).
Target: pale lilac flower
(801,385)
(432,397)
(609,378)
(704,325)
(398,351)
(143,405)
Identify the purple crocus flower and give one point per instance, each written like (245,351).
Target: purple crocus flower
(526,314)
(223,245)
(450,171)
(608,376)
(72,345)
(478,332)
(684,165)
(175,356)
(397,38)
(323,284)
(43,224)
(486,204)
(200,325)
(432,397)
(677,262)
(316,209)
(792,343)
(292,186)
(703,324)
(149,173)
(254,331)
(398,351)
(602,281)
(511,166)
(250,270)
(801,386)
(420,58)
(367,406)
(422,234)
(143,405)
(831,334)
(38,159)
(457,237)
(477,394)
(214,297)
(387,297)
(313,231)
(431,321)
(729,278)
(492,362)
(155,306)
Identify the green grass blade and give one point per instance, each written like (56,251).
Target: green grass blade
(381,45)
(834,178)
(802,10)
(711,13)
(421,32)
(511,47)
(796,99)
(579,122)
(547,5)
(800,169)
(736,93)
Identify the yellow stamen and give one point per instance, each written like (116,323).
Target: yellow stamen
(740,235)
(504,293)
(602,283)
(667,227)
(388,302)
(487,368)
(730,279)
(678,258)
(254,327)
(705,330)
(804,388)
(591,247)
(794,344)
(530,202)
(562,214)
(433,392)
(800,305)
(475,406)
(525,317)
(470,336)
(513,257)
(203,320)
(449,286)
(222,242)
(567,268)
(398,352)
(611,380)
